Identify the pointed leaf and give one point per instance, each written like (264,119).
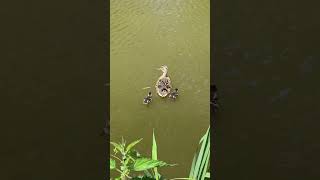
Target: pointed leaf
(192,166)
(154,148)
(155,155)
(117,146)
(204,136)
(205,162)
(204,169)
(133,144)
(201,159)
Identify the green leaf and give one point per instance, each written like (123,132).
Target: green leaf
(155,155)
(112,164)
(199,169)
(207,175)
(204,169)
(154,148)
(191,174)
(117,146)
(204,164)
(132,144)
(202,138)
(142,164)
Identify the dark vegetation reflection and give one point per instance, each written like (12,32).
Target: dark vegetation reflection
(266,66)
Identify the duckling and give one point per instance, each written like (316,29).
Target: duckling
(147,99)
(163,85)
(174,94)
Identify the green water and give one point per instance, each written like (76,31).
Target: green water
(144,36)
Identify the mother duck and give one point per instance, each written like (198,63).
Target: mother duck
(163,85)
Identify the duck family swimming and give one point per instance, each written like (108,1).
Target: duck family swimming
(163,87)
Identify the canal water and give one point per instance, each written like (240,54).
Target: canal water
(145,35)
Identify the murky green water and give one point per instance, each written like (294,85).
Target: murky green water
(146,34)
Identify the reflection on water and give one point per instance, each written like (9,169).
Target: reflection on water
(145,35)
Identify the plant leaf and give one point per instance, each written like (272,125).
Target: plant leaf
(112,164)
(117,146)
(155,155)
(205,162)
(191,175)
(154,148)
(132,144)
(202,158)
(204,136)
(204,169)
(142,164)
(208,175)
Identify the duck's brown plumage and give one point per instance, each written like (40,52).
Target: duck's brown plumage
(163,85)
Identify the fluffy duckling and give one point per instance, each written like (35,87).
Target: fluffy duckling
(174,94)
(147,99)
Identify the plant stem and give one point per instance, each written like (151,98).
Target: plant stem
(119,170)
(116,157)
(131,158)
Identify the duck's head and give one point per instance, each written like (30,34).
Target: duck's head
(163,68)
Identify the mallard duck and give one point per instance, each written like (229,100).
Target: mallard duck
(147,99)
(174,94)
(163,85)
